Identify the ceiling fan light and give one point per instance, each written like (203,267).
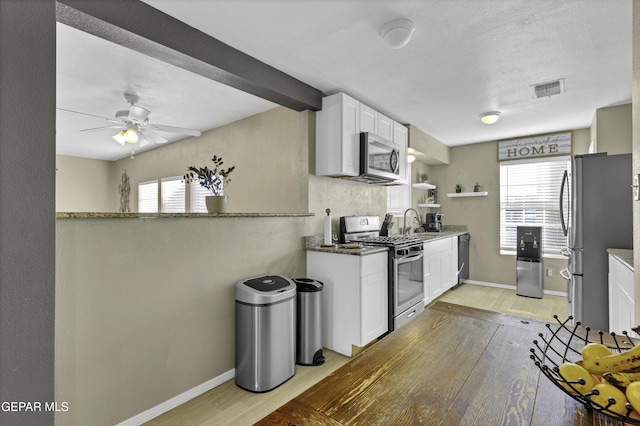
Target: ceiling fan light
(131,136)
(119,137)
(397,33)
(490,117)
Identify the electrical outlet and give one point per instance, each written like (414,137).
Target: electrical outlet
(636,187)
(549,272)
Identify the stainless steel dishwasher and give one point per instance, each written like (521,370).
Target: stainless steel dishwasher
(463,259)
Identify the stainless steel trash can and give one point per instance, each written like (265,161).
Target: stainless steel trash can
(265,332)
(309,322)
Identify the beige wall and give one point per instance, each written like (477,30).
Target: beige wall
(478,163)
(611,129)
(145,308)
(85,185)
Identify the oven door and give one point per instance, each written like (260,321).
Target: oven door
(408,284)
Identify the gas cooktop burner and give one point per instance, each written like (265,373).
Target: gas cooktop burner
(395,240)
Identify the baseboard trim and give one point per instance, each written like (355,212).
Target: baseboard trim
(177,400)
(511,287)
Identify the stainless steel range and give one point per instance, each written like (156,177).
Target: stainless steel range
(406,288)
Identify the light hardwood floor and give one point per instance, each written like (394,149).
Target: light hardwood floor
(506,301)
(227,404)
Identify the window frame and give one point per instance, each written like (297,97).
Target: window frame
(540,210)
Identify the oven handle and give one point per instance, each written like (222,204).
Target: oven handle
(410,258)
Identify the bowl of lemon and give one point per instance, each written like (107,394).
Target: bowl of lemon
(599,370)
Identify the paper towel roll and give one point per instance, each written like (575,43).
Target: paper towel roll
(327,228)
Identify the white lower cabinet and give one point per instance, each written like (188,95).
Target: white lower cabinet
(440,267)
(621,293)
(355,298)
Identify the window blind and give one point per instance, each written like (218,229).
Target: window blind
(197,194)
(530,195)
(148,197)
(173,195)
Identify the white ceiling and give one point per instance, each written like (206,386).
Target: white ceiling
(466,57)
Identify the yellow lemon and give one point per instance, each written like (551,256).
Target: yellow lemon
(606,391)
(572,373)
(633,395)
(595,350)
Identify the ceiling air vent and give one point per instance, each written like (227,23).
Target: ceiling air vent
(550,88)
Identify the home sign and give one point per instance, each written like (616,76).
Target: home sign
(535,146)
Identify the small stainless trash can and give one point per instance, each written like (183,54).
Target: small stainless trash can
(309,322)
(265,332)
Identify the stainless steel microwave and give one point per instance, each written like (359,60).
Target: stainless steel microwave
(379,159)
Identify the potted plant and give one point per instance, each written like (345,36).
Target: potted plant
(214,180)
(458,188)
(423,177)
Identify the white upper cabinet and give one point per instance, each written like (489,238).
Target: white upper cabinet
(374,122)
(368,119)
(385,127)
(338,127)
(338,137)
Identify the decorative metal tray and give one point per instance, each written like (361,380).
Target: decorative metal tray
(564,345)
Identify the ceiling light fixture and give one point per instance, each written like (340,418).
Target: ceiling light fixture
(490,117)
(397,33)
(411,158)
(130,135)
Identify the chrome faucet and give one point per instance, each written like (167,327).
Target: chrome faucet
(404,219)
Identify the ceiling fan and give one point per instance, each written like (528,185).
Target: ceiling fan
(134,125)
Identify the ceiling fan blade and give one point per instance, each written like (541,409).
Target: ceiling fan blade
(152,136)
(142,139)
(95,129)
(173,129)
(138,113)
(111,120)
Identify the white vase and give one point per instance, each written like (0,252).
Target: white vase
(216,203)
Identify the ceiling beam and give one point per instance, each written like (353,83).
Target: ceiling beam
(140,27)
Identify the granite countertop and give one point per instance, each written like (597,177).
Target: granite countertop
(624,255)
(340,249)
(314,242)
(447,231)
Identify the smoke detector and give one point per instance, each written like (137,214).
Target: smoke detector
(549,88)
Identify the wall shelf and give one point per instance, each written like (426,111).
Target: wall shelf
(468,194)
(423,186)
(435,206)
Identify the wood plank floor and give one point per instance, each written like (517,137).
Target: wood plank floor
(507,302)
(451,365)
(229,405)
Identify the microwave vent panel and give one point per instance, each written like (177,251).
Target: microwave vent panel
(550,88)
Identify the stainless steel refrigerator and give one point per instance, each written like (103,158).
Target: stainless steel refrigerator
(597,189)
